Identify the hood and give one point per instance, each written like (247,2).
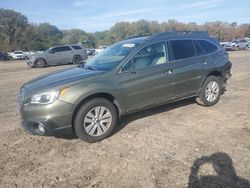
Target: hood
(62,78)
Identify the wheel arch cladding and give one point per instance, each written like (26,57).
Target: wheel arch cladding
(107,96)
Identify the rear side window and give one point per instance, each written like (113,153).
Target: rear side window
(207,46)
(182,49)
(61,49)
(76,47)
(198,48)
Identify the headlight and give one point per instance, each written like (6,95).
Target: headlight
(48,97)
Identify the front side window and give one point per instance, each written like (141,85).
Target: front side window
(151,55)
(56,49)
(182,49)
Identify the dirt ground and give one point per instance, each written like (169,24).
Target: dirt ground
(175,145)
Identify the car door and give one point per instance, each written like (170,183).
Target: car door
(146,79)
(53,56)
(188,68)
(66,54)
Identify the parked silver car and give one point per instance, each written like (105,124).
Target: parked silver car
(236,45)
(58,55)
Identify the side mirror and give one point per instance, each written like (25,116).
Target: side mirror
(51,52)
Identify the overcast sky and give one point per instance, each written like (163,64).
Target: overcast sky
(98,15)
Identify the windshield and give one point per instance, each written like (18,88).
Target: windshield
(48,50)
(18,52)
(112,56)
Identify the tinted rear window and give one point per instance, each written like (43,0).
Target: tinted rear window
(207,46)
(76,47)
(182,49)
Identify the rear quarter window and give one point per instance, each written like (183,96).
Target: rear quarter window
(207,46)
(182,49)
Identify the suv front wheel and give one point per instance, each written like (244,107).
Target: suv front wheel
(39,63)
(95,120)
(210,91)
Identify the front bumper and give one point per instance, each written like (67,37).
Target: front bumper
(30,62)
(55,119)
(231,48)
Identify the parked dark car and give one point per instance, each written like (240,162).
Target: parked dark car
(4,56)
(90,51)
(129,76)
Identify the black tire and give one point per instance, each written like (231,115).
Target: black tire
(76,59)
(39,63)
(79,123)
(201,99)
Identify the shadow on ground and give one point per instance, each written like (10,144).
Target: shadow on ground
(124,121)
(226,176)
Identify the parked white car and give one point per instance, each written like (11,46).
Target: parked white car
(18,55)
(100,49)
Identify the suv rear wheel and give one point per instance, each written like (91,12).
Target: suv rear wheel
(210,91)
(95,120)
(76,59)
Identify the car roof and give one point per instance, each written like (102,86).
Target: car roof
(171,35)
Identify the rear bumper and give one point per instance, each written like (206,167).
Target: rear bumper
(227,74)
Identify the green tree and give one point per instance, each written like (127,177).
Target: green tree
(50,35)
(12,24)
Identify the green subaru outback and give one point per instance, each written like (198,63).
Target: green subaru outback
(129,76)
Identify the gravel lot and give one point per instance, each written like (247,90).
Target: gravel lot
(175,145)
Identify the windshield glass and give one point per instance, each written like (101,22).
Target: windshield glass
(48,50)
(112,56)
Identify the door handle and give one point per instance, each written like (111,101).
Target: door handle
(204,62)
(167,72)
(133,72)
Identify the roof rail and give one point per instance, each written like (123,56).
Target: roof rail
(137,36)
(200,33)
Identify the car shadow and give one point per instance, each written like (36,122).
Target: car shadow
(125,120)
(225,173)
